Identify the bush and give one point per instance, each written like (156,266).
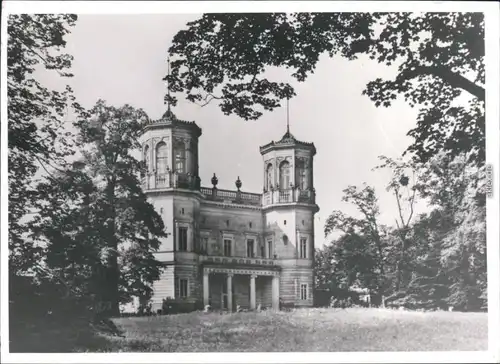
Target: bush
(171,306)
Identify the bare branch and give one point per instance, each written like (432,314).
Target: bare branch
(212,97)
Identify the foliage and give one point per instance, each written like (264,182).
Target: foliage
(36,133)
(430,261)
(171,306)
(438,56)
(358,255)
(120,230)
(37,139)
(81,235)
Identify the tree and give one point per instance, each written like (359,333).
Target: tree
(128,226)
(446,262)
(403,184)
(99,231)
(439,56)
(428,284)
(457,190)
(36,134)
(360,252)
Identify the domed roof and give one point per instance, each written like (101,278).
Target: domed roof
(287,141)
(170,119)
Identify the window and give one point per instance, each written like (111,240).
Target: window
(302,179)
(301,174)
(182,211)
(250,225)
(303,291)
(303,248)
(269,177)
(284,175)
(250,248)
(262,251)
(183,239)
(227,247)
(204,245)
(161,158)
(180,157)
(146,157)
(183,288)
(270,249)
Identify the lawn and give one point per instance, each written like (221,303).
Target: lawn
(303,330)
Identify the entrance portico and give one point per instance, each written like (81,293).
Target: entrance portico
(243,285)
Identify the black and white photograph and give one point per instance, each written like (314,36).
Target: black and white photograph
(250,181)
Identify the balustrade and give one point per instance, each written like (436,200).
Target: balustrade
(187,181)
(288,196)
(170,179)
(239,197)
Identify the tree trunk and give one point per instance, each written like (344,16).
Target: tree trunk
(112,274)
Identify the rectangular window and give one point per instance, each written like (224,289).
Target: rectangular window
(270,249)
(204,245)
(183,234)
(303,248)
(183,288)
(250,248)
(227,247)
(303,291)
(262,251)
(180,158)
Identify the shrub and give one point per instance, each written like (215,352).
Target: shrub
(171,306)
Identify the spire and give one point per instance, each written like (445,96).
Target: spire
(287,116)
(288,135)
(167,99)
(168,115)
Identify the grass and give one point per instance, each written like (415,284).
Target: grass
(302,330)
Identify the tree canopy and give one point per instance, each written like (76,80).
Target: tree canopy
(36,133)
(439,58)
(82,235)
(432,260)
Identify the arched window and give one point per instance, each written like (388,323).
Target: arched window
(284,175)
(301,176)
(146,157)
(180,157)
(161,158)
(269,177)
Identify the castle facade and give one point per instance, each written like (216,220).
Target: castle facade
(229,248)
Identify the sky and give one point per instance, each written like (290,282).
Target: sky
(122,59)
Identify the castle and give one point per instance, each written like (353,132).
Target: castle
(231,248)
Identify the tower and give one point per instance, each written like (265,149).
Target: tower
(288,204)
(172,183)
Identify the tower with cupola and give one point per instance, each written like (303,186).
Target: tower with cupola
(288,203)
(172,183)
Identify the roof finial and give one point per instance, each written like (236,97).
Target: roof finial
(287,116)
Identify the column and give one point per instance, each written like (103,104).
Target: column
(230,292)
(206,287)
(252,291)
(276,293)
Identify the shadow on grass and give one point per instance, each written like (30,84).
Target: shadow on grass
(45,336)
